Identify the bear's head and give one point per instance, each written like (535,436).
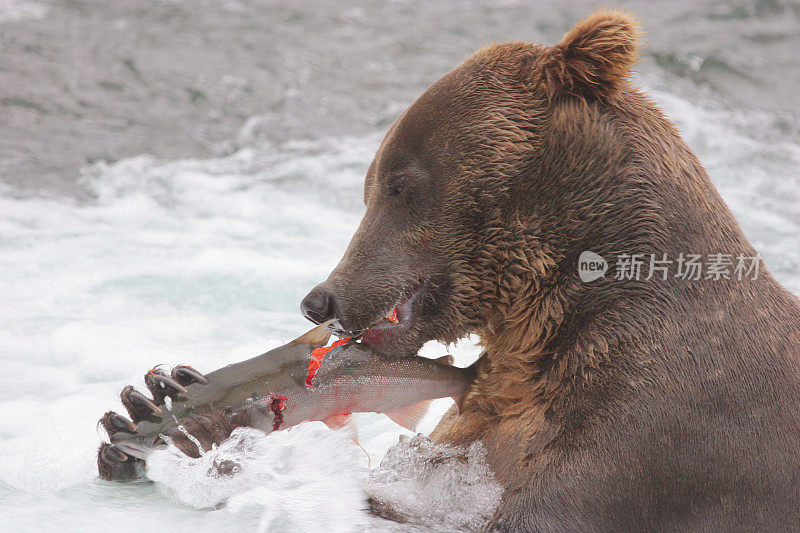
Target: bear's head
(486,189)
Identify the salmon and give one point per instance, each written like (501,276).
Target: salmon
(304,380)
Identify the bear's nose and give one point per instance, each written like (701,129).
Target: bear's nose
(318,306)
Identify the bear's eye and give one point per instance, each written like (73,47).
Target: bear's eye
(397,184)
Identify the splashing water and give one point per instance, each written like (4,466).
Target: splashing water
(285,477)
(304,479)
(442,487)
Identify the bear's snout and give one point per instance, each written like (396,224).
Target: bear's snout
(319,305)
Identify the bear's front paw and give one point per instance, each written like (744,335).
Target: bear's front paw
(122,457)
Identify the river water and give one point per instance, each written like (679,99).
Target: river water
(175,176)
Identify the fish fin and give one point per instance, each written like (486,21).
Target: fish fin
(409,416)
(316,337)
(369,459)
(337,421)
(340,421)
(352,425)
(474,371)
(445,360)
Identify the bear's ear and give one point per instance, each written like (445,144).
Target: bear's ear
(593,57)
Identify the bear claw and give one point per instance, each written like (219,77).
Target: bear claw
(113,423)
(161,386)
(138,405)
(114,464)
(186,375)
(165,382)
(131,450)
(114,453)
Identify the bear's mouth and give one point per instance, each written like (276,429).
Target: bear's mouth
(392,324)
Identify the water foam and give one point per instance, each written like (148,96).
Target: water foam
(307,478)
(440,487)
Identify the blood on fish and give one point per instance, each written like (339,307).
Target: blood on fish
(392,316)
(316,358)
(277,406)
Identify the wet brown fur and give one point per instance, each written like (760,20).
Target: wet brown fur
(612,405)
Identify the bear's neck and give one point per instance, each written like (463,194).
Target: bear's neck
(554,336)
(543,328)
(643,192)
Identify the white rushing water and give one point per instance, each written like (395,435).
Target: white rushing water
(204,261)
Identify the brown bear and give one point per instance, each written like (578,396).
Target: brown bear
(655,402)
(668,400)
